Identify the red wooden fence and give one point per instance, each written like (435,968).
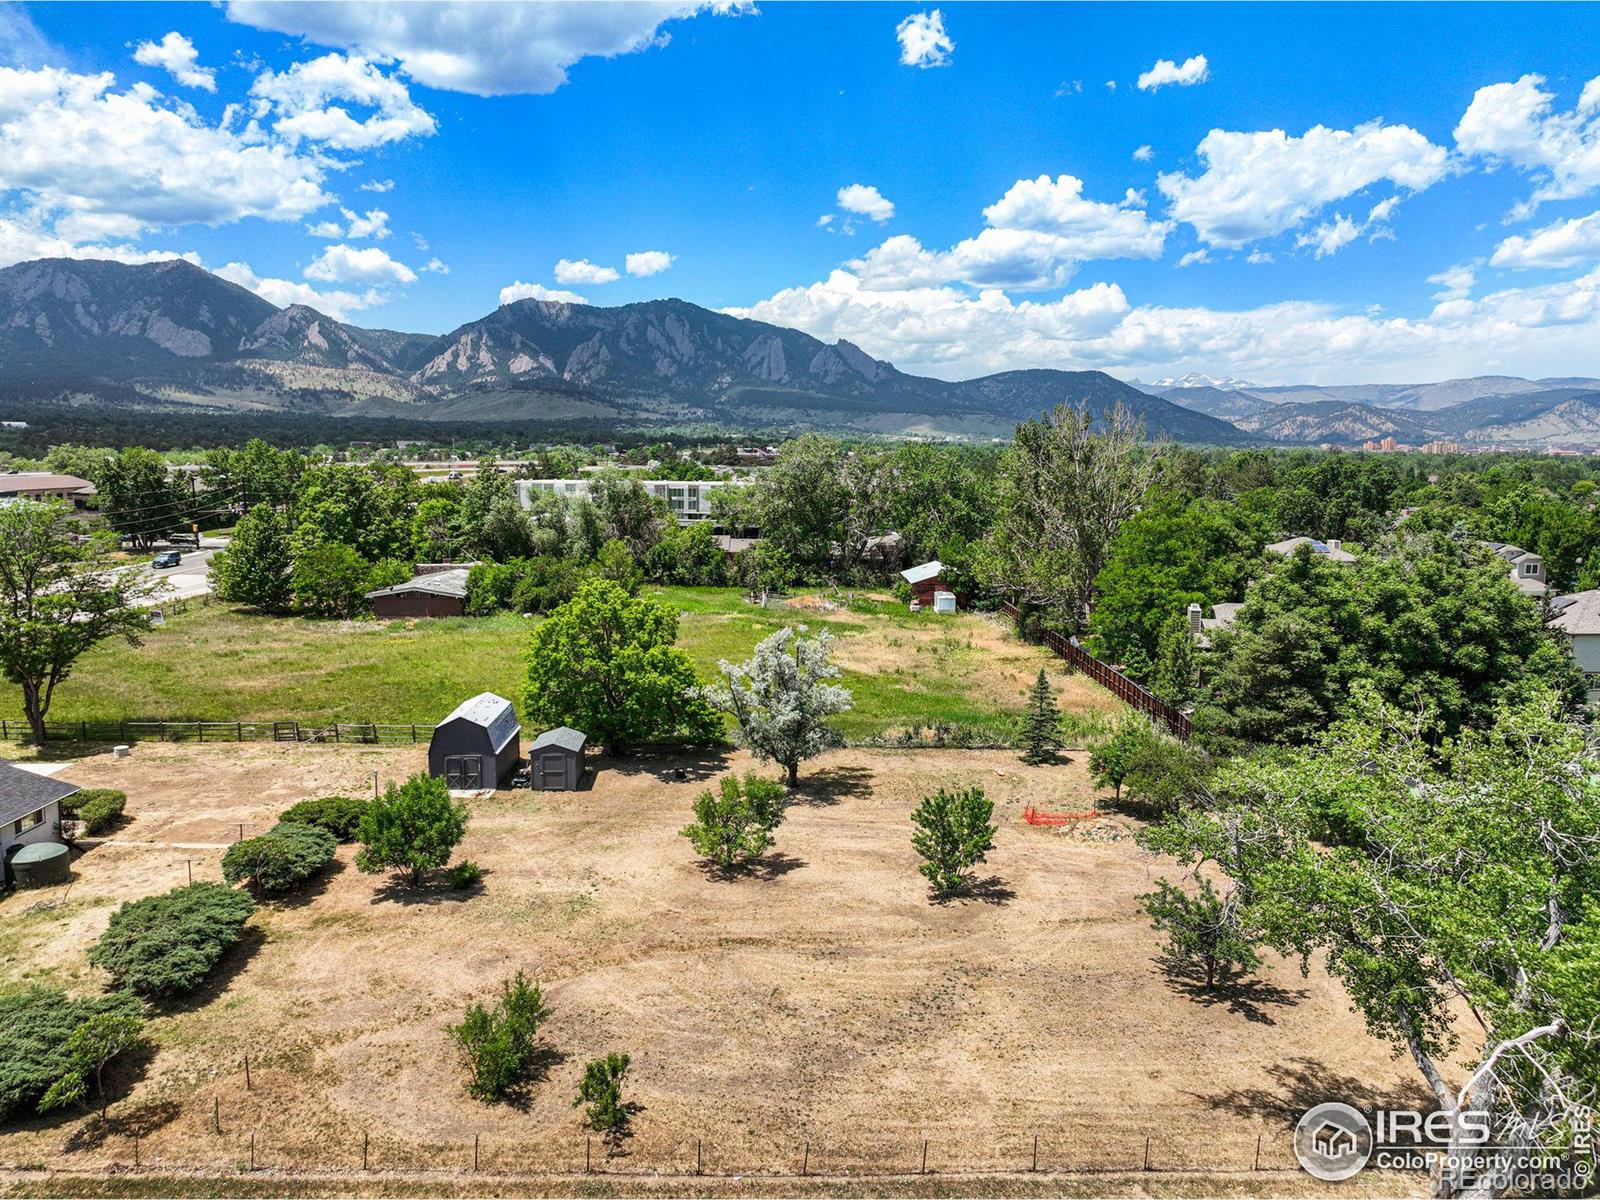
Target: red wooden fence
(1110,678)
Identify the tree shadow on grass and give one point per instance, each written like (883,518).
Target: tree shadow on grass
(690,766)
(990,890)
(770,866)
(306,892)
(1247,995)
(829,786)
(1298,1084)
(537,1070)
(397,889)
(130,1122)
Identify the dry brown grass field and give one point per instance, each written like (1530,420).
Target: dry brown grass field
(821,1001)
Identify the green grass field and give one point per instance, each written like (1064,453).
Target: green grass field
(211,662)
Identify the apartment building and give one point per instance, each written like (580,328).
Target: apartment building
(689,500)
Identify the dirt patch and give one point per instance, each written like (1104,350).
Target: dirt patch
(822,1002)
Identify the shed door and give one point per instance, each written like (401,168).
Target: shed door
(463,772)
(552,770)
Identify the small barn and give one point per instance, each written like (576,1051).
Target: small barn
(925,582)
(555,760)
(440,594)
(30,810)
(476,746)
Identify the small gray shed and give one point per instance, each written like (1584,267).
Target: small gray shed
(555,760)
(475,746)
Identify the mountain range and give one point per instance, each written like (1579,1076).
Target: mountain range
(170,335)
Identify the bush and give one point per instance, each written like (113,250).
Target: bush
(36,1025)
(166,945)
(734,827)
(98,809)
(413,828)
(953,836)
(1203,932)
(500,1043)
(1112,756)
(339,815)
(601,1090)
(281,859)
(1162,774)
(463,875)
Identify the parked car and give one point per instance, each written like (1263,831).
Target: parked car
(167,558)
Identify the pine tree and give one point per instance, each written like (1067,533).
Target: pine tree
(1041,726)
(1176,669)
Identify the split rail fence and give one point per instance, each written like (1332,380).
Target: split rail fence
(1110,678)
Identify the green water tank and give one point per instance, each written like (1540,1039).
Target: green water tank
(41,864)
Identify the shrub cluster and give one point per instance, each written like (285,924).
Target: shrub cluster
(166,945)
(733,826)
(601,1091)
(36,1027)
(97,809)
(499,1043)
(339,815)
(281,859)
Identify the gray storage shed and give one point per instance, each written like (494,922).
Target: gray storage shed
(475,746)
(555,760)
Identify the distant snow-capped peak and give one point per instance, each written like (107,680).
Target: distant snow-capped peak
(1225,384)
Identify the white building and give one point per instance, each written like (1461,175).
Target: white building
(1527,568)
(1578,618)
(689,500)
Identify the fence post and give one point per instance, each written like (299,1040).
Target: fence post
(1035,1166)
(587,1141)
(697,1156)
(475,1151)
(238,731)
(1257,1165)
(136,1152)
(216,1114)
(924,1170)
(364,1139)
(1147,1152)
(252,1149)
(805,1158)
(247,1072)
(83,731)
(200,731)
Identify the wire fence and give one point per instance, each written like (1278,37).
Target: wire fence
(366,733)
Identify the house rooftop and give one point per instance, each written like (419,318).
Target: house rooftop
(23,792)
(1578,613)
(493,712)
(13,482)
(927,570)
(1331,550)
(440,583)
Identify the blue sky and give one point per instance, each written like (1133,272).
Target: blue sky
(1330,193)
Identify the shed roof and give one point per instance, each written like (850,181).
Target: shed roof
(492,712)
(451,583)
(23,792)
(1578,613)
(928,570)
(565,737)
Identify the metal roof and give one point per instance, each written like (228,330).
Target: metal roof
(441,583)
(928,570)
(493,712)
(23,792)
(565,737)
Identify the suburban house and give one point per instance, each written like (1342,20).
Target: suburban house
(1578,619)
(476,746)
(689,500)
(1222,615)
(45,485)
(30,808)
(1527,569)
(1332,549)
(434,594)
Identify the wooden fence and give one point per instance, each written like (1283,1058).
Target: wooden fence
(341,733)
(1110,678)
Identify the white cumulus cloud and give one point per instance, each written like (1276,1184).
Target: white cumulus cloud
(1256,185)
(647,262)
(513,292)
(1192,71)
(176,55)
(482,47)
(308,100)
(581,270)
(377,185)
(338,304)
(1516,123)
(1456,282)
(1565,244)
(352,264)
(865,200)
(1144,154)
(923,40)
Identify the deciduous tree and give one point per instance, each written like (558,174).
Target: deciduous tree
(412,828)
(782,698)
(953,835)
(733,826)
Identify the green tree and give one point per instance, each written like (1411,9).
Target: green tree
(1066,487)
(90,1049)
(1175,676)
(799,502)
(412,828)
(605,663)
(435,530)
(36,1024)
(615,562)
(500,1044)
(339,815)
(1434,880)
(71,459)
(138,500)
(330,579)
(782,698)
(165,945)
(256,474)
(1111,758)
(733,827)
(688,556)
(627,511)
(601,1091)
(255,568)
(1041,724)
(763,570)
(1161,774)
(365,508)
(953,835)
(1203,931)
(58,598)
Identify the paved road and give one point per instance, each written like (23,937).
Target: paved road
(190,578)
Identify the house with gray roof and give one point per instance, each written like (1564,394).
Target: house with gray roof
(30,807)
(438,594)
(1527,568)
(1578,620)
(1333,549)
